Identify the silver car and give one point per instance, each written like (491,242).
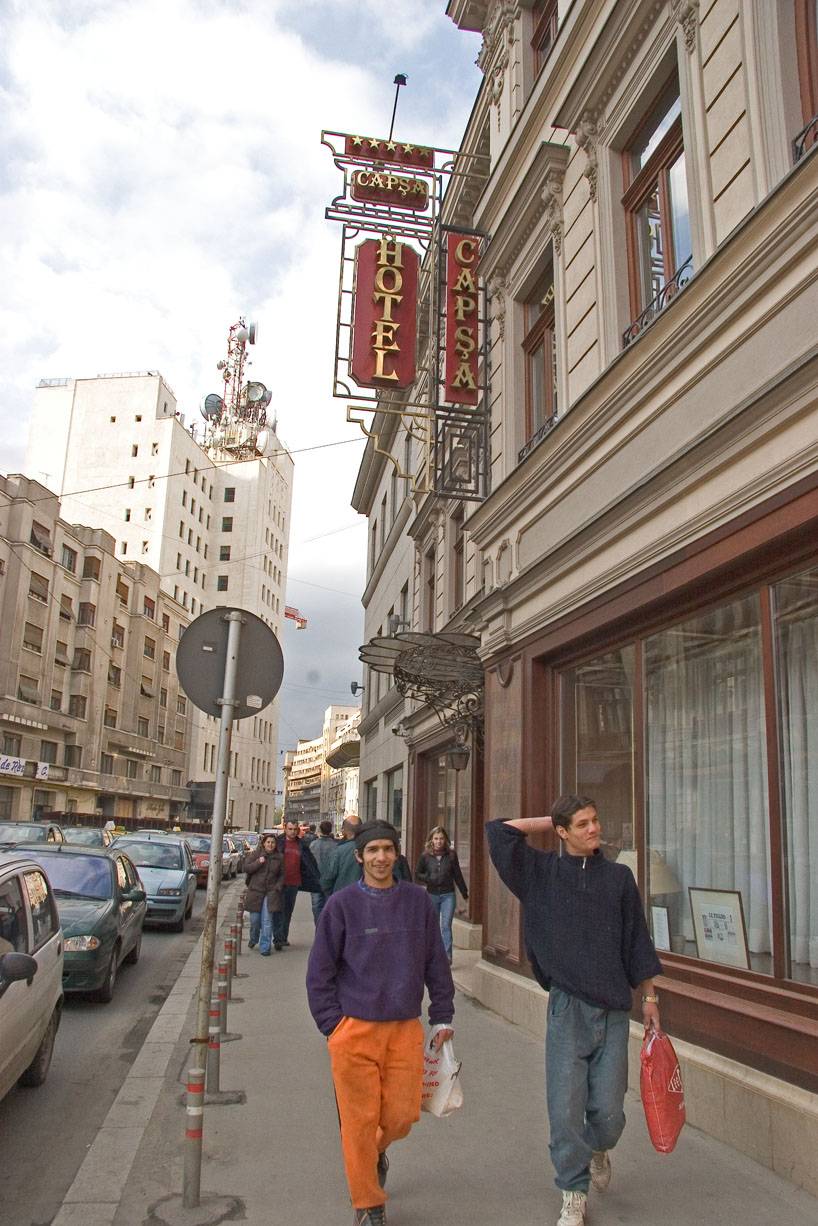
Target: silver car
(168,874)
(31,971)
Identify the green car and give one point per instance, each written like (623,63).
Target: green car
(102,908)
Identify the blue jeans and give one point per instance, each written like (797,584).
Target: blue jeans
(281,919)
(586,1071)
(444,905)
(318,901)
(261,926)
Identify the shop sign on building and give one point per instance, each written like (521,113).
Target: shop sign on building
(384,320)
(12,766)
(462,319)
(379,186)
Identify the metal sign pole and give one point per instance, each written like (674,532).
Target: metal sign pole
(228,703)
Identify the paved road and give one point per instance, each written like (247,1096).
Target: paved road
(45,1132)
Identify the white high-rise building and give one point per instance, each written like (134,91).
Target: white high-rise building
(117,453)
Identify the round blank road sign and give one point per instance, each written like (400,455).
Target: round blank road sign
(202,654)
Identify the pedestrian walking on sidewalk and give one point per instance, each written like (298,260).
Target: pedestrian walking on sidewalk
(589,947)
(322,848)
(342,868)
(300,873)
(439,870)
(376,947)
(264,874)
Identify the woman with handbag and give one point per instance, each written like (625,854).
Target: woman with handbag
(439,870)
(264,870)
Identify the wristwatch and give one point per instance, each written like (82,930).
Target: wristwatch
(650,1000)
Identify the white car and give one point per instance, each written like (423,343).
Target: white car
(31,971)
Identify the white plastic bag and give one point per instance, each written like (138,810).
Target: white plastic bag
(442,1092)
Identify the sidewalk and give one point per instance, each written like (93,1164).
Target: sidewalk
(277,1158)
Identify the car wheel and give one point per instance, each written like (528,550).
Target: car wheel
(178,925)
(136,949)
(189,910)
(105,994)
(37,1071)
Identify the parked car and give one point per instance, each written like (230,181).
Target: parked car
(246,841)
(31,971)
(234,858)
(199,845)
(30,832)
(101,902)
(89,836)
(168,874)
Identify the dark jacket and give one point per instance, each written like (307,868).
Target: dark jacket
(264,880)
(584,925)
(441,875)
(341,868)
(310,877)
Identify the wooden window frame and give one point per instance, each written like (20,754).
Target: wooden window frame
(541,333)
(639,187)
(546,25)
(806,42)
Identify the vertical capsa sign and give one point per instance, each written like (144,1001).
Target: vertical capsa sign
(384,314)
(462,314)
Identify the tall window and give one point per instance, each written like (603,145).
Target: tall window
(429,568)
(458,560)
(806,36)
(545,17)
(539,347)
(655,204)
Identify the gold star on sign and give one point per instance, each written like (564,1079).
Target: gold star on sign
(374,144)
(357,140)
(407,149)
(391,146)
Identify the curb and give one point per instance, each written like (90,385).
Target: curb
(94,1197)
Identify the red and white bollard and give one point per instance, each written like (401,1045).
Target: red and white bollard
(194,1120)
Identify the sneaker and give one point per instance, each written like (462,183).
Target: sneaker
(277,947)
(574,1206)
(600,1170)
(383,1167)
(251,944)
(376,1216)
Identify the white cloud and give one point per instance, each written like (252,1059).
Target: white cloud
(163,173)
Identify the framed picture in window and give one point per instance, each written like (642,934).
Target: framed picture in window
(718,925)
(660,922)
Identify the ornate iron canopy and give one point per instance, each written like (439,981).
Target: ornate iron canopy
(441,670)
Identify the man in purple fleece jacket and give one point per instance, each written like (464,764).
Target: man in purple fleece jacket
(376,946)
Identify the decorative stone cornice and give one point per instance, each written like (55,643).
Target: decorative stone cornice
(551,197)
(686,13)
(500,25)
(587,136)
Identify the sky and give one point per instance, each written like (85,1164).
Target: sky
(161,173)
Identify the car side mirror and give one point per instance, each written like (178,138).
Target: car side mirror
(14,967)
(135,895)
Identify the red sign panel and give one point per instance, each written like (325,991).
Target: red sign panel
(379,186)
(462,300)
(370,149)
(384,314)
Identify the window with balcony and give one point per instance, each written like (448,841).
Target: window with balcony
(69,559)
(143,726)
(12,745)
(87,614)
(131,768)
(48,751)
(91,568)
(33,638)
(545,27)
(176,779)
(657,219)
(156,774)
(77,705)
(106,764)
(72,756)
(540,354)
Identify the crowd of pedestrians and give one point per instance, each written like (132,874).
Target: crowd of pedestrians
(382,940)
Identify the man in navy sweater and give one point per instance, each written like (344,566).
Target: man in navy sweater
(376,946)
(589,947)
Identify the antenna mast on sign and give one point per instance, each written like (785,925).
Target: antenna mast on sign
(400,80)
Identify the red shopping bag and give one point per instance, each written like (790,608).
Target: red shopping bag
(662,1092)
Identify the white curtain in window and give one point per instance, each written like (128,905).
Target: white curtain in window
(798,682)
(707,764)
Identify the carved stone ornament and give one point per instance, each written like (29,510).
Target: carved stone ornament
(497,293)
(586,140)
(500,23)
(686,13)
(551,196)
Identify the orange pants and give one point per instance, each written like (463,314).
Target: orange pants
(377,1068)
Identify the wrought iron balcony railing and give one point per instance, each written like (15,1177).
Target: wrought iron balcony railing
(805,140)
(654,308)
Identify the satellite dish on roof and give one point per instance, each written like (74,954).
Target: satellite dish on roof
(212,405)
(255,392)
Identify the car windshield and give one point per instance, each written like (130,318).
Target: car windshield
(198,842)
(153,855)
(22,832)
(84,834)
(87,876)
